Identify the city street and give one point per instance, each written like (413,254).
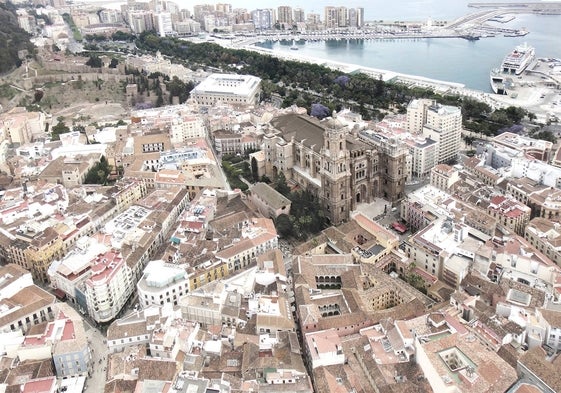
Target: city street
(98,348)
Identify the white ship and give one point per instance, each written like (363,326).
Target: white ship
(513,64)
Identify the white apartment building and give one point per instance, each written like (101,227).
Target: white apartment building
(228,89)
(416,115)
(13,279)
(443,124)
(70,273)
(109,287)
(110,16)
(187,127)
(284,14)
(263,19)
(424,156)
(162,283)
(164,24)
(536,170)
(330,17)
(324,348)
(550,318)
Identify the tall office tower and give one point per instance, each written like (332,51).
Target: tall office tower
(224,8)
(360,16)
(342,17)
(164,23)
(263,19)
(284,15)
(201,10)
(443,124)
(313,19)
(330,17)
(298,15)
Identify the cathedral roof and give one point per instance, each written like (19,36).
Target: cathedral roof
(305,129)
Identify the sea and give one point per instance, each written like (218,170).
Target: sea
(447,59)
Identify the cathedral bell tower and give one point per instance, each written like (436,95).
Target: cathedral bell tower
(335,194)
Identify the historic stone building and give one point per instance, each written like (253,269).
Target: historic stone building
(338,165)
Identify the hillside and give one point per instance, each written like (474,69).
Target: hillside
(12,39)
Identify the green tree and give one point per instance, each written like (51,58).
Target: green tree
(94,61)
(159,100)
(281,186)
(59,128)
(99,173)
(284,226)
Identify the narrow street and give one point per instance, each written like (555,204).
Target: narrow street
(98,349)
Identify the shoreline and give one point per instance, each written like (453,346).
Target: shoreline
(529,98)
(439,86)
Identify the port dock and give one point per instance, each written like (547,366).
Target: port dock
(545,7)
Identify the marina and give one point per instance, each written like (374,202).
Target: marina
(485,23)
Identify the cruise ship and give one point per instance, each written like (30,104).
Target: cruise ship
(513,64)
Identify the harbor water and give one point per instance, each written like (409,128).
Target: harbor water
(446,59)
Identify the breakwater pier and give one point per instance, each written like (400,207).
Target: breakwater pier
(542,7)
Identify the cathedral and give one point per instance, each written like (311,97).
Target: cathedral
(342,167)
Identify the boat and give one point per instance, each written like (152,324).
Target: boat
(500,83)
(513,64)
(293,47)
(470,37)
(517,33)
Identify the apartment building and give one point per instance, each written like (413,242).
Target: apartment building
(545,236)
(510,213)
(443,177)
(23,304)
(443,124)
(109,287)
(187,127)
(162,283)
(424,155)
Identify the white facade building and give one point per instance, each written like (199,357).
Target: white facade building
(324,348)
(109,287)
(228,89)
(162,283)
(536,170)
(424,156)
(70,272)
(443,124)
(165,26)
(416,115)
(187,127)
